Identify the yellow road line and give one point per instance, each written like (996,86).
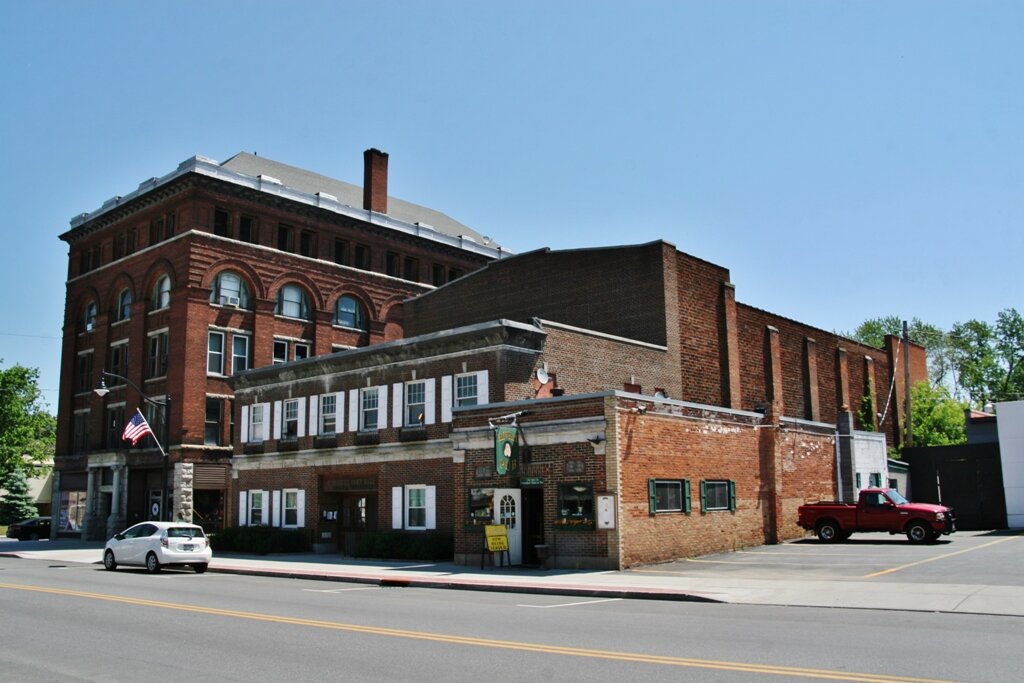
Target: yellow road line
(764,669)
(939,557)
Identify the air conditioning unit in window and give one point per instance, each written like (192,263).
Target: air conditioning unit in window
(229,301)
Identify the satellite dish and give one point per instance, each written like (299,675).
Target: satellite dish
(542,376)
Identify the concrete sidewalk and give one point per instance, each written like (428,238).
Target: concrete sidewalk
(634,584)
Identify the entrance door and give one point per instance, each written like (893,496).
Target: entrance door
(508,511)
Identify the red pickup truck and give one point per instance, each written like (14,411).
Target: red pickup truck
(877,510)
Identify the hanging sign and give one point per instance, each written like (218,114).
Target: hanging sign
(506,449)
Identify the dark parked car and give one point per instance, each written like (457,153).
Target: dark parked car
(30,529)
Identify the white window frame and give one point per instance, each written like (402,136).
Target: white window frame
(263,498)
(332,415)
(211,354)
(290,506)
(400,507)
(307,350)
(257,422)
(287,349)
(235,355)
(162,293)
(411,411)
(461,397)
(163,340)
(365,408)
(290,416)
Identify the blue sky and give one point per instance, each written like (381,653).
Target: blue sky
(844,160)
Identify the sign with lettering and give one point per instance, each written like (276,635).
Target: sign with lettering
(506,449)
(497,538)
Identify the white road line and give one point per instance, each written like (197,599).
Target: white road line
(572,604)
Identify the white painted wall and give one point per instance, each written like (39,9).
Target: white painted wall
(870,456)
(1010,422)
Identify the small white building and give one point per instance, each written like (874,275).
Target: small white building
(1010,421)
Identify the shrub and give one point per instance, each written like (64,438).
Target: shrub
(403,546)
(260,540)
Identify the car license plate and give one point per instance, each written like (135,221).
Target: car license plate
(188,546)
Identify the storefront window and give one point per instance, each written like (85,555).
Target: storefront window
(72,510)
(575,505)
(481,506)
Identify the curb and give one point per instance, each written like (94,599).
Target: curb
(523,589)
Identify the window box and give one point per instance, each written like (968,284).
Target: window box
(326,441)
(367,438)
(413,434)
(288,445)
(253,448)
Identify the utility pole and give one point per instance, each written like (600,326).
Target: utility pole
(908,421)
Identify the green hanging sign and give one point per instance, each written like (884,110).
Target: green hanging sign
(506,449)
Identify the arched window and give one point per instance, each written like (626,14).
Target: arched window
(292,302)
(124,306)
(350,313)
(161,293)
(89,319)
(229,289)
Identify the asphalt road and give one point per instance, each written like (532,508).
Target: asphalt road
(78,622)
(991,558)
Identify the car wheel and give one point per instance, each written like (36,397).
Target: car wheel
(918,532)
(152,564)
(109,563)
(828,531)
(199,567)
(33,537)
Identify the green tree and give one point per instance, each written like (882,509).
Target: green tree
(27,431)
(17,503)
(938,419)
(989,359)
(935,340)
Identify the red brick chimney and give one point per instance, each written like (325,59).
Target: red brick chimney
(375,180)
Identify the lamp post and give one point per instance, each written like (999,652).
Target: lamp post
(102,391)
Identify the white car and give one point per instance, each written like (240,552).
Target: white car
(155,544)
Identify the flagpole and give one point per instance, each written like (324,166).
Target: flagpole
(102,390)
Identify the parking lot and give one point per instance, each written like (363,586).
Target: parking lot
(991,558)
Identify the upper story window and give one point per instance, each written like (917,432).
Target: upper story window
(328,413)
(221,223)
(466,389)
(340,251)
(161,293)
(256,423)
(411,269)
(89,259)
(391,267)
(415,403)
(350,313)
(307,243)
(215,353)
(124,244)
(229,289)
(89,318)
(369,403)
(124,306)
(156,365)
(285,237)
(247,229)
(361,257)
(83,373)
(239,353)
(290,425)
(292,302)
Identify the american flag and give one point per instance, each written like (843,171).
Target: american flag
(136,428)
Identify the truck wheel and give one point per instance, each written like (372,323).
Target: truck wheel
(918,532)
(828,531)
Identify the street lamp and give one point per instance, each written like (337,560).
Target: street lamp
(102,391)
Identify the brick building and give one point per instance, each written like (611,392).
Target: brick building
(656,416)
(210,270)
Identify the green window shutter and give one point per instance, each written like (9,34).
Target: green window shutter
(732,495)
(652,497)
(703,496)
(686,496)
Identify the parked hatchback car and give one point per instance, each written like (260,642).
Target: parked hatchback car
(30,529)
(155,545)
